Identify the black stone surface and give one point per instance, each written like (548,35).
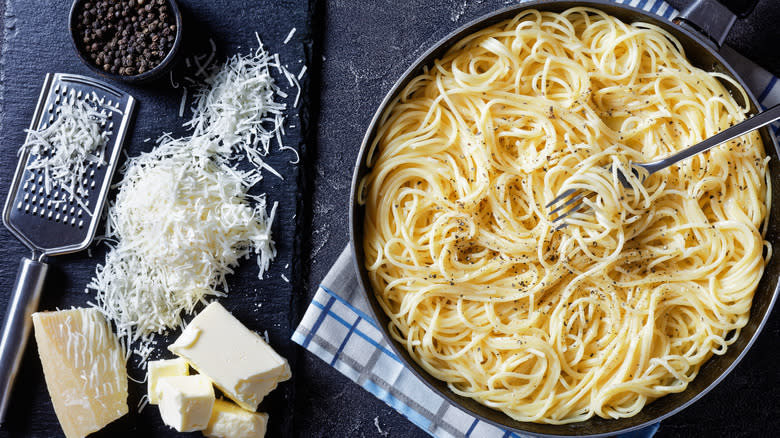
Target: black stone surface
(354,51)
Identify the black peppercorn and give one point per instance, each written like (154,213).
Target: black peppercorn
(125,37)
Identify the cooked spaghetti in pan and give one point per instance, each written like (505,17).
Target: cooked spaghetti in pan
(624,304)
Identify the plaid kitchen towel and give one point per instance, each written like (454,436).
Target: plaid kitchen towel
(338,328)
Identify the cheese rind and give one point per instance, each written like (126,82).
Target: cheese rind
(84,367)
(230,421)
(163,368)
(238,360)
(186,402)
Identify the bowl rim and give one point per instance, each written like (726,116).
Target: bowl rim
(157,71)
(356,229)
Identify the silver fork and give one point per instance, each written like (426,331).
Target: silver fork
(572,200)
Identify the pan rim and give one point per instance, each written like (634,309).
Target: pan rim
(355,215)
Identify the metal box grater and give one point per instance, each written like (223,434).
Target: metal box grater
(51,224)
(55,223)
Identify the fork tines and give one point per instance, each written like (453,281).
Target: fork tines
(568,202)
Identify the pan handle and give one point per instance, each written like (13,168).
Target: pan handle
(713,19)
(709,18)
(17,323)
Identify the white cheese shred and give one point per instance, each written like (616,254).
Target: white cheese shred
(379,429)
(183,103)
(174,84)
(289,36)
(143,403)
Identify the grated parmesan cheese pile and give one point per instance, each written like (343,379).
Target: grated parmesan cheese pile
(183,217)
(238,105)
(66,148)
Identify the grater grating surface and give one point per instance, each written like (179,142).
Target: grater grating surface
(55,223)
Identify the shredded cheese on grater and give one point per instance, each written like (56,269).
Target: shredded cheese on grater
(65,149)
(183,217)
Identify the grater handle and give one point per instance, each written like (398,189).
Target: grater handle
(17,323)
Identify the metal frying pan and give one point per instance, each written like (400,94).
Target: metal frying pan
(701,30)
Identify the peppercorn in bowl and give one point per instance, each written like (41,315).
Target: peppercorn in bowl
(127,40)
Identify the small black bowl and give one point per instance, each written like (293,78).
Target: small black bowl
(150,75)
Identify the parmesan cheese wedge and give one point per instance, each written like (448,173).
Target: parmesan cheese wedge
(84,368)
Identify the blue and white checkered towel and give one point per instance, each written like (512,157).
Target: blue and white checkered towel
(338,328)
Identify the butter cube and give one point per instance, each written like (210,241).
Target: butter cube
(186,402)
(237,360)
(163,368)
(230,421)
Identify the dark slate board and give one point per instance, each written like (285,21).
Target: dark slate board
(36,42)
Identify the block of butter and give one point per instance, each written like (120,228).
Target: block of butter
(230,421)
(163,368)
(186,402)
(237,360)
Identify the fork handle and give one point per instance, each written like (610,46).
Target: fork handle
(759,120)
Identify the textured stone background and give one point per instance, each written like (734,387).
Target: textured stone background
(355,51)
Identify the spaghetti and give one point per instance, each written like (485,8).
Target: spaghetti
(628,301)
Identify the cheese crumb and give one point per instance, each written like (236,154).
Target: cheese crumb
(379,429)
